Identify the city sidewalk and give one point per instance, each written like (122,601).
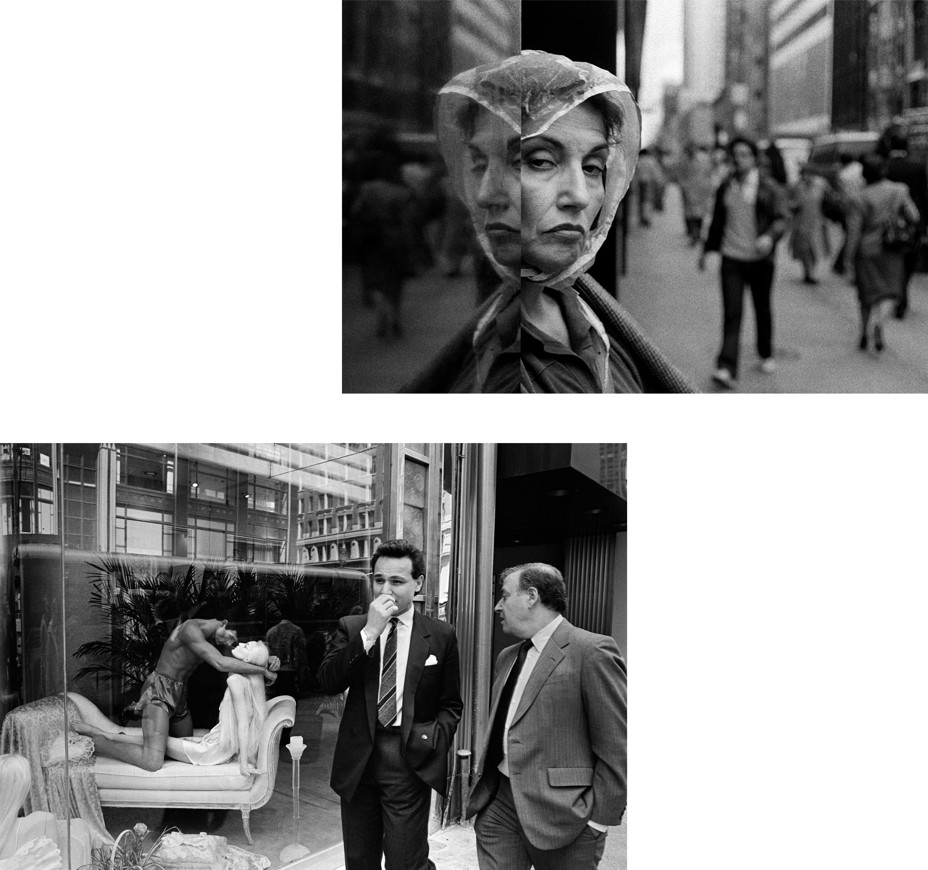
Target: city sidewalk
(455,848)
(434,309)
(815,327)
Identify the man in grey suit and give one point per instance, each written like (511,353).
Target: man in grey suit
(552,774)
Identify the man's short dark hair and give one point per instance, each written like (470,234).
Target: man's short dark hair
(397,549)
(546,579)
(743,140)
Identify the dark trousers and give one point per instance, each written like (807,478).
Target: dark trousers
(389,813)
(501,844)
(758,275)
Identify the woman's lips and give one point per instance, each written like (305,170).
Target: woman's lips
(566,230)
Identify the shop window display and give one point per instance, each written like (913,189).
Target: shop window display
(94,536)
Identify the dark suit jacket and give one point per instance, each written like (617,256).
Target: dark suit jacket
(431,701)
(567,740)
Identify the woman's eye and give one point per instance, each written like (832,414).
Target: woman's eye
(593,169)
(540,162)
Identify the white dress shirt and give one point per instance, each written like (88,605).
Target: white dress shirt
(403,635)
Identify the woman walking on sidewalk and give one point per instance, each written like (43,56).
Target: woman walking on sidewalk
(808,241)
(879,270)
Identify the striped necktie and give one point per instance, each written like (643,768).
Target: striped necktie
(386,703)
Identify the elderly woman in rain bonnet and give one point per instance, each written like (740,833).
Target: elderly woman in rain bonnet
(541,150)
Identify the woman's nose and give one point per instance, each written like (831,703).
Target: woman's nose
(492,190)
(573,192)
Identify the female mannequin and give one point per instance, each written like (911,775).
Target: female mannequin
(241,714)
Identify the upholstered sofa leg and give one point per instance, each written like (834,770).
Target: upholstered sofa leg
(246,812)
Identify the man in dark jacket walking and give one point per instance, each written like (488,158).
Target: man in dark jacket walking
(747,222)
(912,173)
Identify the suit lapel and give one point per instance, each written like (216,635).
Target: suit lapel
(551,656)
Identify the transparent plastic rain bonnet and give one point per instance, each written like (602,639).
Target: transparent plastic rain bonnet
(529,92)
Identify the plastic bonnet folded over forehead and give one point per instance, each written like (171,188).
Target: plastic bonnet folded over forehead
(529,92)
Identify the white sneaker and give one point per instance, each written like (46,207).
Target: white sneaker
(767,366)
(724,378)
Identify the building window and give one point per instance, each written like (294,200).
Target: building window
(313,554)
(211,539)
(144,469)
(355,554)
(80,497)
(6,515)
(147,533)
(270,500)
(333,553)
(209,487)
(46,515)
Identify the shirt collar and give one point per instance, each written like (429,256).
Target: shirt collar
(406,618)
(543,635)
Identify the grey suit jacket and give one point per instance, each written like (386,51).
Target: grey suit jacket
(567,743)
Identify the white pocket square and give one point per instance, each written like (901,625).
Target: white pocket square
(431,660)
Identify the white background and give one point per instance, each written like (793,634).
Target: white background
(170,211)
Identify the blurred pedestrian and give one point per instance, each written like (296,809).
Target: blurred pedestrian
(850,184)
(721,168)
(747,222)
(381,222)
(647,179)
(912,173)
(697,191)
(877,267)
(808,241)
(774,164)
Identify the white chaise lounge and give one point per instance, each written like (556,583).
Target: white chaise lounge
(218,786)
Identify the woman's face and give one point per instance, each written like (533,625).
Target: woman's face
(492,181)
(249,652)
(563,189)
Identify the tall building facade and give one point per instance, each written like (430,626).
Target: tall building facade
(703,51)
(396,54)
(742,107)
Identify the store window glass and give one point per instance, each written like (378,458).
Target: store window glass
(276,538)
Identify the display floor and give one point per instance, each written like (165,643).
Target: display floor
(273,826)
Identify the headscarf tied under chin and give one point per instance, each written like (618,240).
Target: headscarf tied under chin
(530,92)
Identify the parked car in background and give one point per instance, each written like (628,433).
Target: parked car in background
(825,156)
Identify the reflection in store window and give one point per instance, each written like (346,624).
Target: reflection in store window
(288,543)
(148,533)
(144,469)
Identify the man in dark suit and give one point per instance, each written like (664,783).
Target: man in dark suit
(912,173)
(404,703)
(552,774)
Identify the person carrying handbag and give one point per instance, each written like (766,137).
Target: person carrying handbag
(880,225)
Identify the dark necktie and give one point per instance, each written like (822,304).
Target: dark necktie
(386,703)
(497,735)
